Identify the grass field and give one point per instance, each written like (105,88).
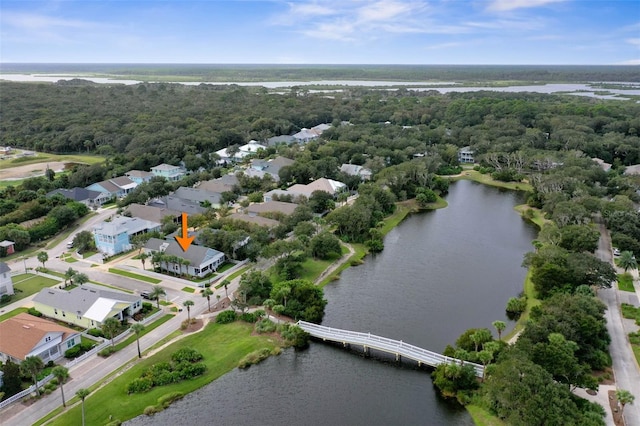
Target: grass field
(222,346)
(482,417)
(532,300)
(486,179)
(27,284)
(147,329)
(134,276)
(12,313)
(625,282)
(43,158)
(188,289)
(536,216)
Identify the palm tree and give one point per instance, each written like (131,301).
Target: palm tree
(31,366)
(186,262)
(68,275)
(624,397)
(62,374)
(269,304)
(143,257)
(627,260)
(499,326)
(283,293)
(82,394)
(157,293)
(179,261)
(42,258)
(110,327)
(485,358)
(225,283)
(156,259)
(188,304)
(207,293)
(80,278)
(138,328)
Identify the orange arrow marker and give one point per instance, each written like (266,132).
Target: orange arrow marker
(184,241)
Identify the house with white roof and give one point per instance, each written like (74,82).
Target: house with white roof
(227,155)
(114,188)
(356,170)
(88,305)
(305,135)
(331,186)
(139,176)
(261,168)
(26,335)
(115,236)
(465,155)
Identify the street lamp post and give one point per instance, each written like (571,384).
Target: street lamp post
(24,260)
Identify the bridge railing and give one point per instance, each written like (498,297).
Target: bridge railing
(382,343)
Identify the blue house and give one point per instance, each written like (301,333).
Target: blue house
(139,176)
(115,188)
(115,237)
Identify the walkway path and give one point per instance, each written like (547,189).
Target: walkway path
(335,265)
(625,367)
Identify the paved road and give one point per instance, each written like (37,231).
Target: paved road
(625,367)
(95,369)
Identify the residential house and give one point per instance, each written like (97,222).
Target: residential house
(114,188)
(6,285)
(261,168)
(201,260)
(296,191)
(87,306)
(604,165)
(256,220)
(171,202)
(152,213)
(115,237)
(81,195)
(305,135)
(632,170)
(465,155)
(26,335)
(139,176)
(278,140)
(271,207)
(227,155)
(356,170)
(216,186)
(169,172)
(7,247)
(204,198)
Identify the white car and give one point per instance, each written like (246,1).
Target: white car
(69,244)
(616,251)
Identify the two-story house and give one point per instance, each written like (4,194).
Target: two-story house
(6,285)
(115,236)
(168,171)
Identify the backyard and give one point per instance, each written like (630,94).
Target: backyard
(25,285)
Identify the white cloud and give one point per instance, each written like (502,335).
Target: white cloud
(29,21)
(633,41)
(629,62)
(443,45)
(506,5)
(310,9)
(385,10)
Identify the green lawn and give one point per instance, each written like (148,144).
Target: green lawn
(12,313)
(356,258)
(188,289)
(625,282)
(233,276)
(482,417)
(27,284)
(630,312)
(536,216)
(134,276)
(44,158)
(148,328)
(532,301)
(486,179)
(222,346)
(225,267)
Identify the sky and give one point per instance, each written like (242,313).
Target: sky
(544,32)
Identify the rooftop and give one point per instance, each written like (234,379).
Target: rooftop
(122,224)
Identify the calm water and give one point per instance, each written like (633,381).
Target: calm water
(441,273)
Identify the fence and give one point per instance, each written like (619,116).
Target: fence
(25,392)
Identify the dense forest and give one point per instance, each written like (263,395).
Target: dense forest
(409,140)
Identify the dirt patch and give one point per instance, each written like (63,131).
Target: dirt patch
(605,377)
(196,324)
(613,403)
(31,170)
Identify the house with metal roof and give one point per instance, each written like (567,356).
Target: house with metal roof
(116,187)
(227,155)
(82,195)
(139,176)
(7,247)
(115,236)
(201,260)
(281,207)
(6,285)
(26,335)
(152,213)
(261,168)
(356,170)
(88,305)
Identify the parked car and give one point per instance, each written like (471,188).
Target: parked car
(69,244)
(146,295)
(616,251)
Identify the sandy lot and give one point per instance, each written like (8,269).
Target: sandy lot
(30,170)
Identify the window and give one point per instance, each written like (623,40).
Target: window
(91,322)
(70,343)
(63,314)
(47,339)
(55,311)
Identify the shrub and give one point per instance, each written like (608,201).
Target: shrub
(146,307)
(95,332)
(107,351)
(5,298)
(186,355)
(166,400)
(265,326)
(86,346)
(188,371)
(139,385)
(150,410)
(248,317)
(516,305)
(73,352)
(34,312)
(226,317)
(254,358)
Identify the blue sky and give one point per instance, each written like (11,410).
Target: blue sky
(322,31)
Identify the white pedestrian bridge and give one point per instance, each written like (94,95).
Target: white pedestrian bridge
(383,344)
